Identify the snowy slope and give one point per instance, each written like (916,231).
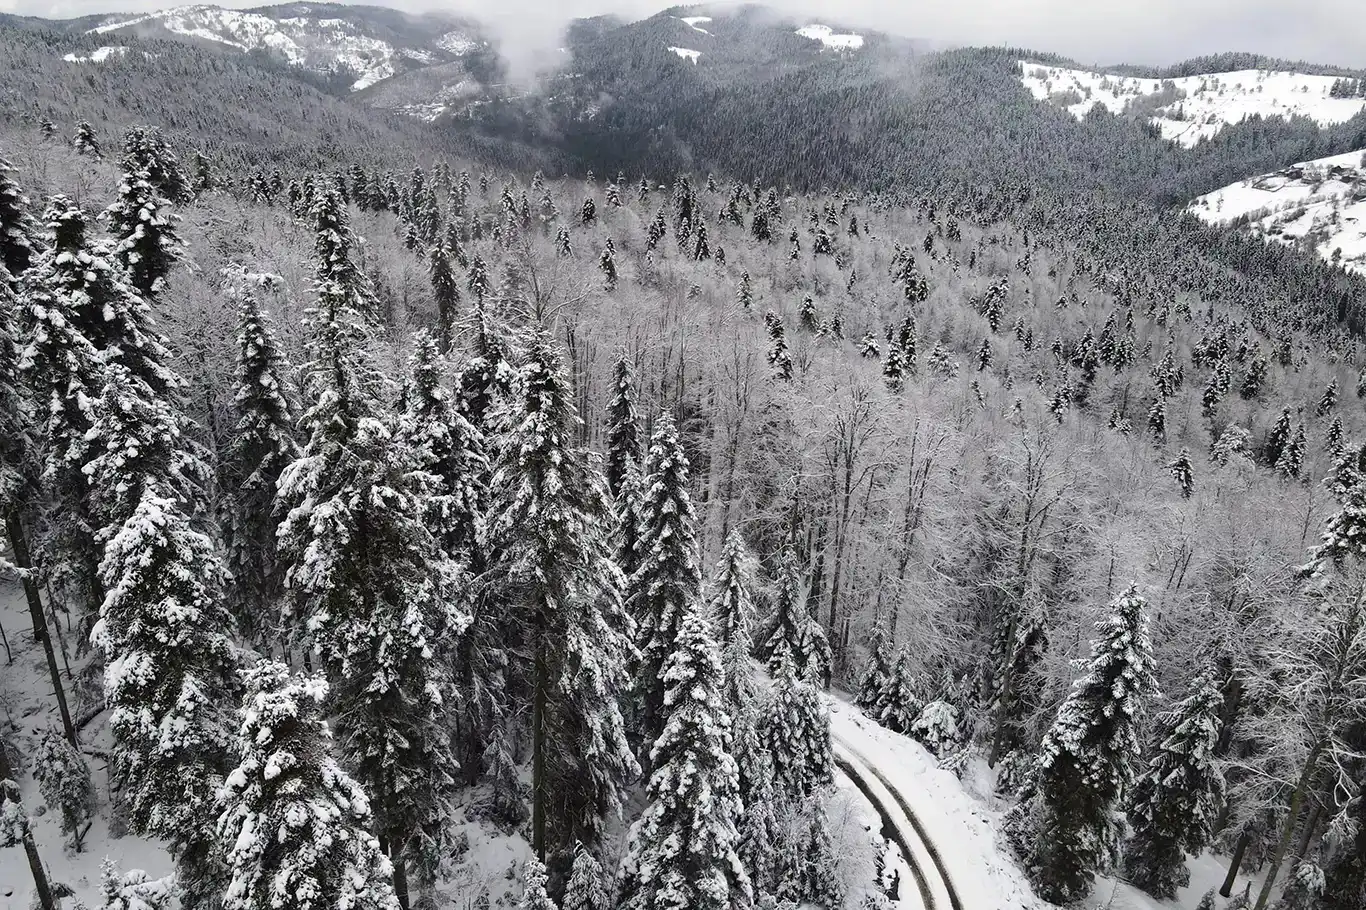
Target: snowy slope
(1319,204)
(827,36)
(99,55)
(324,45)
(686,54)
(1192,108)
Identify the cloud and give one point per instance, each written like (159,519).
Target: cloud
(1093,31)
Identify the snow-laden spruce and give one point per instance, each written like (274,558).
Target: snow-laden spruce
(1174,806)
(1066,829)
(134,889)
(555,566)
(683,852)
(900,702)
(667,581)
(64,781)
(876,673)
(791,632)
(623,439)
(296,828)
(146,244)
(794,728)
(589,887)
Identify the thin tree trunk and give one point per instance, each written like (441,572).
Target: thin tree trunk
(1288,832)
(538,757)
(1311,825)
(1003,708)
(400,871)
(35,864)
(15,528)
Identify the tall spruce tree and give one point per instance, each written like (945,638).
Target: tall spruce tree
(446,289)
(589,887)
(792,633)
(876,672)
(294,827)
(146,244)
(262,445)
(794,729)
(666,583)
(1174,805)
(683,849)
(623,440)
(1086,761)
(381,600)
(555,565)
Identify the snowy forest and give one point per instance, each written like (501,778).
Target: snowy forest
(433,536)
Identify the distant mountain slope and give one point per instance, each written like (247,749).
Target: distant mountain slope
(1318,205)
(1189,109)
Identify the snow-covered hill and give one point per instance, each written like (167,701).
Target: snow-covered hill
(306,37)
(1193,108)
(1320,205)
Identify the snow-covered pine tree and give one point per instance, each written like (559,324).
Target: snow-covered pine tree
(667,581)
(146,244)
(730,607)
(84,140)
(779,358)
(589,887)
(18,231)
(294,827)
(170,666)
(683,849)
(534,881)
(810,879)
(873,679)
(64,780)
(900,702)
(792,633)
(262,444)
(627,543)
(623,426)
(794,728)
(382,601)
(446,290)
(1182,473)
(1175,802)
(938,729)
(145,150)
(1085,764)
(134,889)
(487,380)
(555,564)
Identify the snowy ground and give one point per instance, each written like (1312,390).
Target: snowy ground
(686,54)
(827,36)
(1192,108)
(1320,204)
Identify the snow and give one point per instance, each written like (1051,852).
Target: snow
(826,36)
(692,22)
(99,55)
(1320,204)
(458,43)
(1192,108)
(686,54)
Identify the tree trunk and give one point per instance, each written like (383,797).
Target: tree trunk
(1226,889)
(1003,708)
(35,864)
(400,871)
(1288,832)
(1311,825)
(15,529)
(538,746)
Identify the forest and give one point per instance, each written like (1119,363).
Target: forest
(370,501)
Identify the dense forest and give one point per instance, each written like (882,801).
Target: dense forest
(371,501)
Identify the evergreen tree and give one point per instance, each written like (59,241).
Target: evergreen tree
(900,703)
(683,849)
(64,781)
(792,633)
(811,878)
(901,356)
(794,729)
(666,583)
(294,827)
(623,439)
(534,896)
(731,600)
(262,445)
(84,140)
(1278,439)
(446,289)
(1085,764)
(807,317)
(608,263)
(1174,805)
(778,356)
(588,888)
(18,232)
(1328,400)
(1183,475)
(146,244)
(134,889)
(937,729)
(1290,463)
(146,151)
(555,563)
(876,673)
(381,599)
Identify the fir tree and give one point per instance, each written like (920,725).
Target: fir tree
(623,440)
(811,879)
(792,634)
(64,781)
(683,849)
(778,356)
(588,888)
(938,729)
(1182,473)
(666,583)
(901,356)
(134,889)
(608,263)
(381,599)
(1328,400)
(446,289)
(1290,463)
(146,151)
(1085,764)
(294,827)
(1278,439)
(876,673)
(84,140)
(794,729)
(534,879)
(555,563)
(807,317)
(1174,805)
(146,244)
(262,445)
(18,232)
(744,294)
(899,703)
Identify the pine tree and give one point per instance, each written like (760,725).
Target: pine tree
(1175,802)
(901,356)
(608,263)
(64,781)
(84,141)
(623,439)
(1182,473)
(1328,400)
(744,294)
(381,600)
(807,317)
(588,888)
(134,889)
(555,561)
(146,244)
(1290,463)
(794,729)
(262,445)
(731,599)
(811,879)
(534,896)
(446,290)
(792,633)
(145,150)
(899,703)
(778,356)
(667,581)
(1085,764)
(938,729)
(1278,439)
(683,849)
(876,673)
(294,827)
(18,231)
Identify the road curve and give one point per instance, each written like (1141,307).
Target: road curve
(932,878)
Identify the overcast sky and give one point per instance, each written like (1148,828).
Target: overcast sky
(1097,31)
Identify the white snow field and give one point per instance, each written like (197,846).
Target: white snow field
(1319,204)
(1192,108)
(98,55)
(827,36)
(686,54)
